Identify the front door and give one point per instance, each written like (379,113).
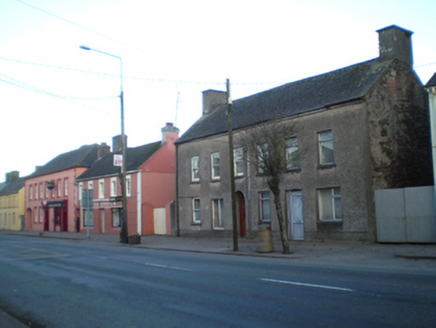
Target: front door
(296,222)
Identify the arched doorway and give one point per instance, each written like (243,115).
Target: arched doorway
(240,202)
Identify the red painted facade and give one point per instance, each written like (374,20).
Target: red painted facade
(52,209)
(150,192)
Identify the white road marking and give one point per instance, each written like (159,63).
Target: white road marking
(308,285)
(166,267)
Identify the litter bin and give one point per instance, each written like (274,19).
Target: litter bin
(265,239)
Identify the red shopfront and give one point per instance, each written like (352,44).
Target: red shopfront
(107,216)
(55,215)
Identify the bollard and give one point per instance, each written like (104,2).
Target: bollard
(265,239)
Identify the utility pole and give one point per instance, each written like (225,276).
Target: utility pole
(231,168)
(123,234)
(123,230)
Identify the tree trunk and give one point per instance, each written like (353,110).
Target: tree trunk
(280,217)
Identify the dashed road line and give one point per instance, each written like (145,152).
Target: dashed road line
(166,267)
(307,285)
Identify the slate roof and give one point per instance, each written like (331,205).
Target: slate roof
(431,82)
(135,158)
(12,187)
(82,157)
(336,87)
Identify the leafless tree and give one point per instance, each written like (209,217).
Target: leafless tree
(269,149)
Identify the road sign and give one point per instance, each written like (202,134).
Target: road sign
(118,160)
(87,198)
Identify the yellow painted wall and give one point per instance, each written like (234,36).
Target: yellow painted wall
(12,210)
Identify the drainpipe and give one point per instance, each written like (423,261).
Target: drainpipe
(177,232)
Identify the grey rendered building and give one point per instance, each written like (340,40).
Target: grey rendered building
(357,129)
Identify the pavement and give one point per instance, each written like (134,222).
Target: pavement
(341,253)
(354,256)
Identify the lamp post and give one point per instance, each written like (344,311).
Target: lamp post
(123,232)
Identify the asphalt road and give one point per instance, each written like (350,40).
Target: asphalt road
(57,283)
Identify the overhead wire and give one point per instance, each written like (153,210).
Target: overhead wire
(23,85)
(160,80)
(80,26)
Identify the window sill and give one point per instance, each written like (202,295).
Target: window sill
(294,170)
(215,180)
(326,166)
(196,224)
(218,229)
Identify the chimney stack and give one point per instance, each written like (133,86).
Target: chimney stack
(169,132)
(395,42)
(11,176)
(212,99)
(103,150)
(117,144)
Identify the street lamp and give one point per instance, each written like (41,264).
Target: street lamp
(123,232)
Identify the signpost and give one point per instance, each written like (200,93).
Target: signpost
(87,205)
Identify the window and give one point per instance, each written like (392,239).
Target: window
(30,192)
(329,204)
(325,143)
(101,188)
(195,171)
(262,155)
(41,191)
(292,154)
(66,187)
(90,185)
(80,190)
(113,187)
(215,163)
(265,206)
(35,213)
(59,188)
(196,210)
(47,191)
(116,222)
(217,213)
(36,191)
(41,215)
(238,158)
(129,185)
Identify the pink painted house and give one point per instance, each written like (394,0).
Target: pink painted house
(51,199)
(150,176)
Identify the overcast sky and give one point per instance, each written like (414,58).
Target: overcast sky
(56,97)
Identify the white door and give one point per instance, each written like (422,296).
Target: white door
(296,222)
(160,222)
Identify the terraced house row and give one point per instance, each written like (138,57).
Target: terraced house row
(355,131)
